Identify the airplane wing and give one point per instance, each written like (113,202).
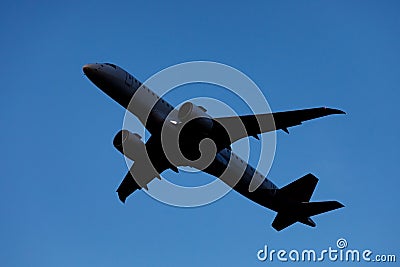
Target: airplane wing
(137,178)
(127,187)
(144,169)
(252,125)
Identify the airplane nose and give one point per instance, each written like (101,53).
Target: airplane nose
(88,68)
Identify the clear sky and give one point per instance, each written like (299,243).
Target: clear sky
(59,170)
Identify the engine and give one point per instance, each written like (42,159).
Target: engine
(129,144)
(196,116)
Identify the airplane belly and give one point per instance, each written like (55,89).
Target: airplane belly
(149,108)
(142,103)
(236,173)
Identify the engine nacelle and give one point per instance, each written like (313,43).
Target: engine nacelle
(129,144)
(197,114)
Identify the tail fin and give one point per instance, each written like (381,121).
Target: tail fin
(300,192)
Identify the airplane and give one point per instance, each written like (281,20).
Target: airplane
(187,127)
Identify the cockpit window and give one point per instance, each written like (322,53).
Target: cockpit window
(112,65)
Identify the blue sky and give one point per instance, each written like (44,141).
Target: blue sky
(60,171)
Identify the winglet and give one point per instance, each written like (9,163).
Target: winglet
(334,111)
(174,168)
(285,130)
(304,211)
(121,197)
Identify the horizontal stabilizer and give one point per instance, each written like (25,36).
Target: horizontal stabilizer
(282,221)
(303,213)
(314,208)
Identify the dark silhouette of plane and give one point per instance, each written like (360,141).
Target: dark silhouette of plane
(187,128)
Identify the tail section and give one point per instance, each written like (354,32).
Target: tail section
(299,193)
(300,190)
